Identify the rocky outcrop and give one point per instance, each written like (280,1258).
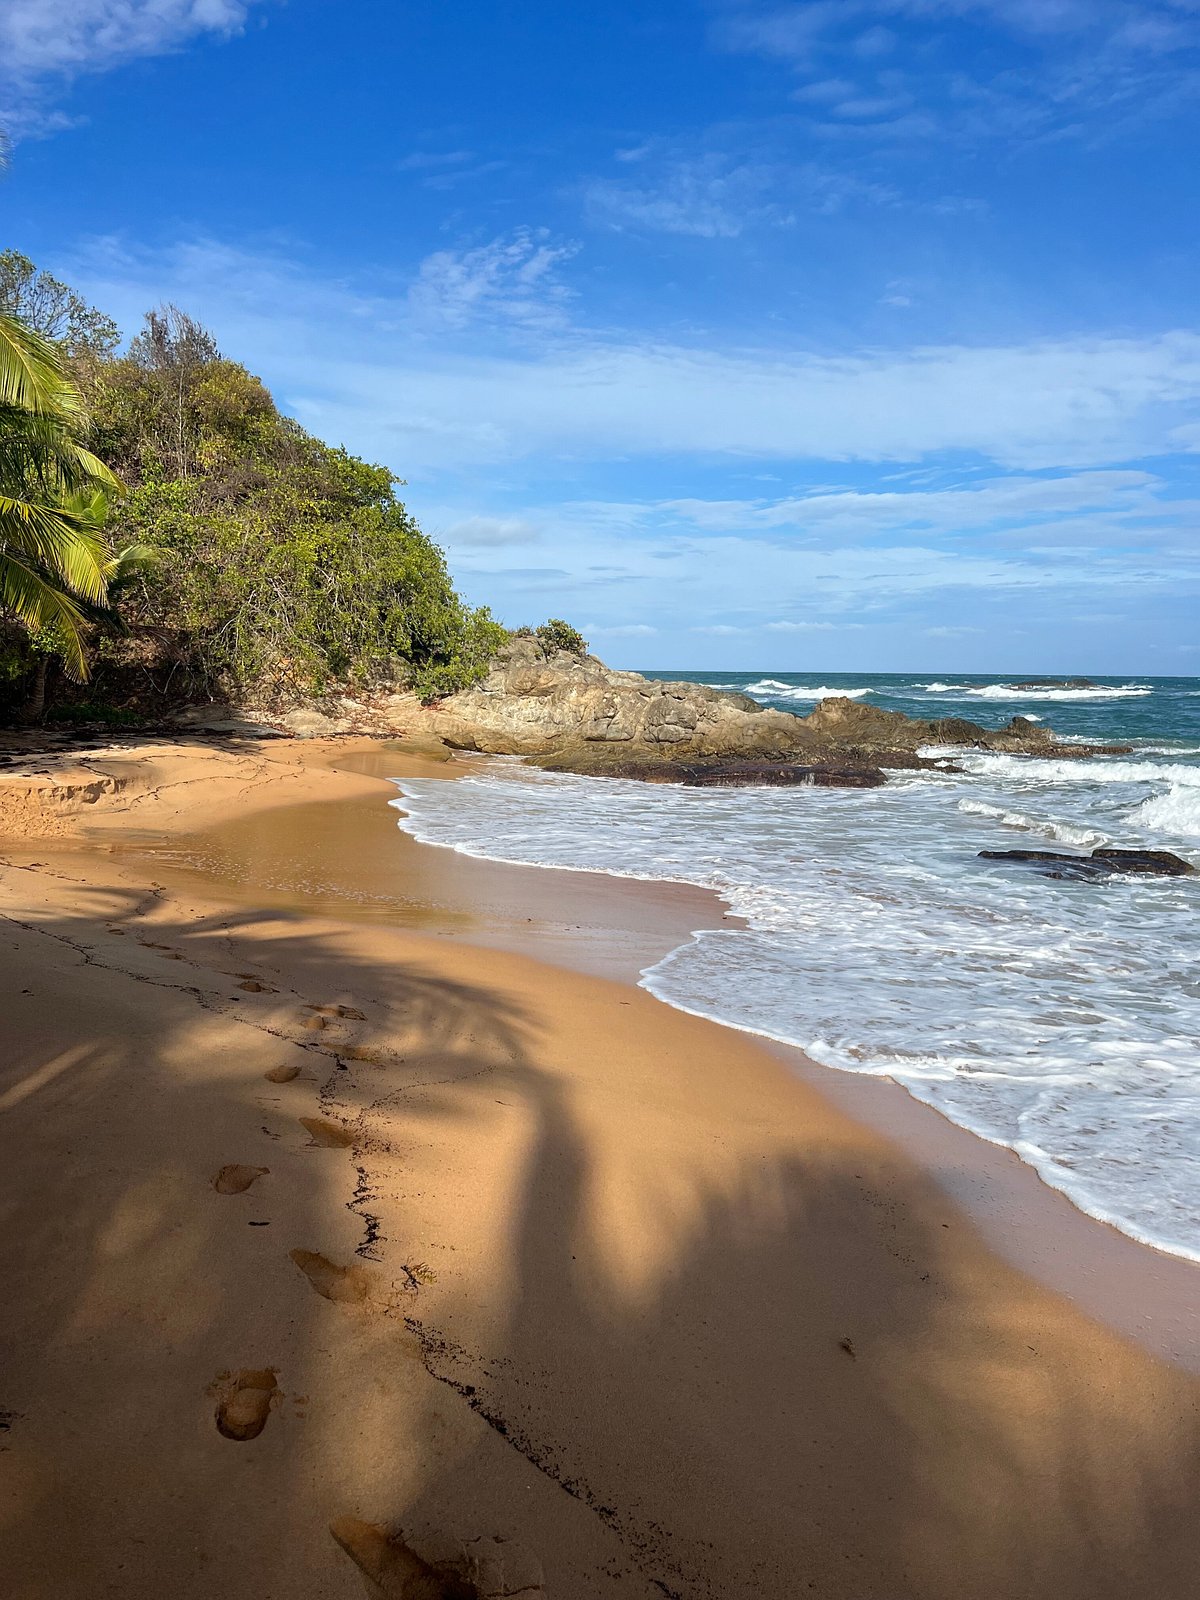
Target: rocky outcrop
(572,713)
(1100,864)
(533,704)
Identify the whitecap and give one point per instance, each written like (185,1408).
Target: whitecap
(1044,827)
(1177,812)
(1027,770)
(1008,691)
(773,689)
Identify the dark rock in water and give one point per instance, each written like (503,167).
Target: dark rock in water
(782,775)
(1100,864)
(1151,861)
(1033,684)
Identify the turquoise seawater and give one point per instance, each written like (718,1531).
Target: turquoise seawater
(1061,1019)
(1116,710)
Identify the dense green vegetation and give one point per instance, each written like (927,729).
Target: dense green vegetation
(241,557)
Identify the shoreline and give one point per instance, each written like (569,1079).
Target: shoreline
(1136,1286)
(569,1194)
(620,925)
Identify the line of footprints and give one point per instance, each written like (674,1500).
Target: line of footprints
(391,1570)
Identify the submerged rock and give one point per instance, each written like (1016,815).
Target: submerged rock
(1100,864)
(791,774)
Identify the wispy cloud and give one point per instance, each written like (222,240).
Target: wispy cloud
(618,630)
(1096,508)
(786,625)
(710,197)
(900,70)
(433,160)
(44,44)
(352,364)
(717,194)
(448,169)
(513,279)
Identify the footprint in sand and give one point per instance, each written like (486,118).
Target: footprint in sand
(347,1285)
(283,1074)
(348,1012)
(252,986)
(244,1402)
(329,1135)
(485,1569)
(361,1052)
(235,1179)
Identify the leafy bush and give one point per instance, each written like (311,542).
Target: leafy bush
(281,566)
(286,565)
(559,635)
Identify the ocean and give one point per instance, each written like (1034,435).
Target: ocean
(1061,1019)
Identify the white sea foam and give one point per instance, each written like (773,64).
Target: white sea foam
(1060,1019)
(773,689)
(1060,832)
(1009,691)
(1041,770)
(1177,812)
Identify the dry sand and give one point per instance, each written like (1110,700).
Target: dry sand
(326,1203)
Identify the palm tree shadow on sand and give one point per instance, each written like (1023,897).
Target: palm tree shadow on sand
(809,1385)
(820,1392)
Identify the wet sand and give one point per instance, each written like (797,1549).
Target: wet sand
(534,1257)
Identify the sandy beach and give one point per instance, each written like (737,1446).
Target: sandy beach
(350,1182)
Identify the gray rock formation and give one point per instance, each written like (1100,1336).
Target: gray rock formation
(573,713)
(533,704)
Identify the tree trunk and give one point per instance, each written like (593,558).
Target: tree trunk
(35,706)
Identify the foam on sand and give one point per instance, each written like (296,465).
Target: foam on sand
(1058,1019)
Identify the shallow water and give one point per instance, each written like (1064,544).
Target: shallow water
(1061,1019)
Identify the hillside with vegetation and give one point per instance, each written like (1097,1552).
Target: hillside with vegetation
(168,535)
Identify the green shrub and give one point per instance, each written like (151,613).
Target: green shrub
(559,635)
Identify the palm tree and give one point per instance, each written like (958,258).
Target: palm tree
(52,496)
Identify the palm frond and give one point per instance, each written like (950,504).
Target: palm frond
(59,539)
(40,605)
(31,373)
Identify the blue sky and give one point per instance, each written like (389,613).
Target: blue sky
(849,334)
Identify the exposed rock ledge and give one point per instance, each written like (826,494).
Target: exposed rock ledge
(574,714)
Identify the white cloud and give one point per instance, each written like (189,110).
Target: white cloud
(785,626)
(618,630)
(1088,508)
(47,42)
(349,365)
(512,278)
(709,197)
